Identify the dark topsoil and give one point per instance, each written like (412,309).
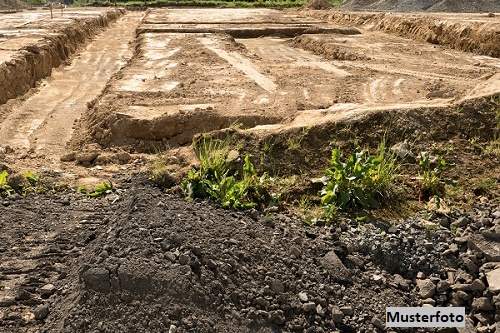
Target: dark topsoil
(140,260)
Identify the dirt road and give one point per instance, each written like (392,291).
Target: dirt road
(43,123)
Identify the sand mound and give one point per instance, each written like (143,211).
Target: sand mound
(425,5)
(318,4)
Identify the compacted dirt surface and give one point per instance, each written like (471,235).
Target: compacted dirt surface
(262,73)
(97,94)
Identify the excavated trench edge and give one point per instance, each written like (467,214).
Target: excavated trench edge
(35,62)
(252,32)
(476,37)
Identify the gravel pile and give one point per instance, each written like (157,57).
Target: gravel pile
(144,261)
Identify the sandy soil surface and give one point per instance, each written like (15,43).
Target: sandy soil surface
(162,97)
(39,125)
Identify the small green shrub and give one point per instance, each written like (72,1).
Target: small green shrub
(5,188)
(99,190)
(27,182)
(430,174)
(220,179)
(360,180)
(31,177)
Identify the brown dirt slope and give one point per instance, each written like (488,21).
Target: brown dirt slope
(456,6)
(477,36)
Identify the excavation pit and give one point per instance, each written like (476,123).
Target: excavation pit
(296,71)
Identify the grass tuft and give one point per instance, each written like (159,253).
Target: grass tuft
(99,190)
(430,174)
(359,180)
(221,177)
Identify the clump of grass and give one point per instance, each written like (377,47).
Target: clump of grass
(430,175)
(5,188)
(99,190)
(493,147)
(359,180)
(24,183)
(160,174)
(221,178)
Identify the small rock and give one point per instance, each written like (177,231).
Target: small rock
(335,267)
(121,157)
(477,286)
(337,314)
(86,158)
(403,151)
(319,310)
(490,248)
(295,252)
(429,301)
(378,323)
(277,286)
(277,317)
(426,288)
(184,259)
(493,279)
(347,310)
(308,307)
(69,157)
(442,286)
(172,329)
(482,304)
(41,312)
(303,297)
(7,301)
(97,278)
(47,290)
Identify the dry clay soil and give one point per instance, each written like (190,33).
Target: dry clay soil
(142,261)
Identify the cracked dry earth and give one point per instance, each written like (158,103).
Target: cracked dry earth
(140,260)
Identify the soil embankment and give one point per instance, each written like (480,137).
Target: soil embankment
(454,6)
(22,68)
(479,34)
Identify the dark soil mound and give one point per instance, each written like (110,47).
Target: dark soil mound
(166,262)
(142,261)
(424,5)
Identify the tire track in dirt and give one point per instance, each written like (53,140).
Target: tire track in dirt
(44,122)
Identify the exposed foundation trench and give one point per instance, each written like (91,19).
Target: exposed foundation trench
(34,62)
(481,35)
(187,78)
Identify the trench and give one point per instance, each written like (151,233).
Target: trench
(208,71)
(21,68)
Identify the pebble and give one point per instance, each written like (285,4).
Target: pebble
(482,304)
(308,307)
(41,312)
(47,290)
(303,297)
(426,288)
(337,314)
